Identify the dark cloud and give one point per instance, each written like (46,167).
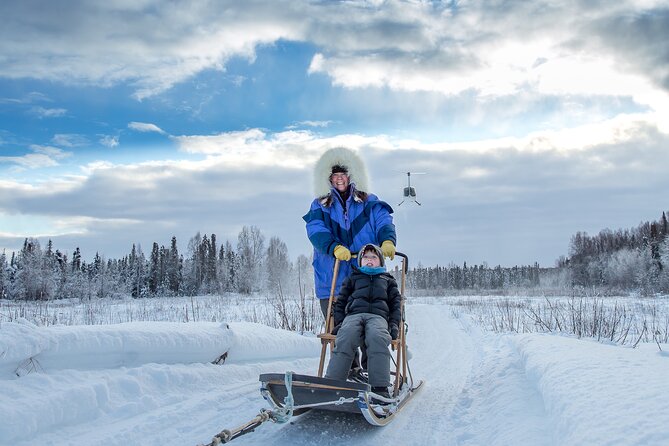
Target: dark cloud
(639,41)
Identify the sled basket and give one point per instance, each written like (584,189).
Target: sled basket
(313,392)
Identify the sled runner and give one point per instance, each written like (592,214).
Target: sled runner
(291,394)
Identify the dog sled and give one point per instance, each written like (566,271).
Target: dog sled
(292,394)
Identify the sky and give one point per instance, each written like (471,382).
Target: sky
(135,121)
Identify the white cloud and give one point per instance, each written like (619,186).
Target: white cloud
(43,156)
(49,112)
(499,188)
(491,49)
(109,141)
(320,124)
(529,48)
(29,98)
(30,161)
(145,127)
(254,147)
(300,148)
(53,152)
(69,140)
(105,45)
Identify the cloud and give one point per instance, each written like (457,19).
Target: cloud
(491,66)
(52,152)
(119,42)
(254,147)
(490,49)
(145,127)
(538,49)
(29,98)
(596,160)
(501,201)
(48,112)
(109,141)
(43,156)
(69,140)
(30,161)
(318,124)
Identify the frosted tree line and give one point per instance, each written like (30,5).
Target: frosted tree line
(252,265)
(477,277)
(631,259)
(611,262)
(634,259)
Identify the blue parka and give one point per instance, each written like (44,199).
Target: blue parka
(353,224)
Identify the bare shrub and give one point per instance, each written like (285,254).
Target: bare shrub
(590,317)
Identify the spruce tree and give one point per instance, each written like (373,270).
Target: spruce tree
(154,269)
(3,275)
(173,268)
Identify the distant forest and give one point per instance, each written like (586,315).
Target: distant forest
(630,260)
(634,259)
(611,262)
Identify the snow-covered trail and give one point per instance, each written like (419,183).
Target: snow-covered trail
(474,392)
(98,389)
(181,404)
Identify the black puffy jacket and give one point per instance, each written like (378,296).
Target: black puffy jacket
(362,293)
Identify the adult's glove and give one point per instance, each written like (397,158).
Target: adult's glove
(394,331)
(342,253)
(388,249)
(336,328)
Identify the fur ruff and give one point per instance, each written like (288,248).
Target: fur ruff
(356,171)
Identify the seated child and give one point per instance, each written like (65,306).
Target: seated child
(367,310)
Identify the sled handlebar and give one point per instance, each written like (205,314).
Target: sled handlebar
(406,260)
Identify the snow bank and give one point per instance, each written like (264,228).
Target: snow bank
(256,342)
(124,370)
(25,347)
(597,393)
(19,341)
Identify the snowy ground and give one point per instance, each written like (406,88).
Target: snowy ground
(153,383)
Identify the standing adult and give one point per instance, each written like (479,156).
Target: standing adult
(343,218)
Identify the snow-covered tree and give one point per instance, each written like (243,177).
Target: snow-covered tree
(231,266)
(250,249)
(29,268)
(138,272)
(621,269)
(154,269)
(211,263)
(193,265)
(664,259)
(4,275)
(173,268)
(303,275)
(277,266)
(98,276)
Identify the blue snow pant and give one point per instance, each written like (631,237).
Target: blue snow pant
(371,329)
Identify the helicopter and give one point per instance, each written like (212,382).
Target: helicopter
(409,191)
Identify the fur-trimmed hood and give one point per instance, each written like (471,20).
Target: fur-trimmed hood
(343,157)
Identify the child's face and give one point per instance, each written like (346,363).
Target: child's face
(369,258)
